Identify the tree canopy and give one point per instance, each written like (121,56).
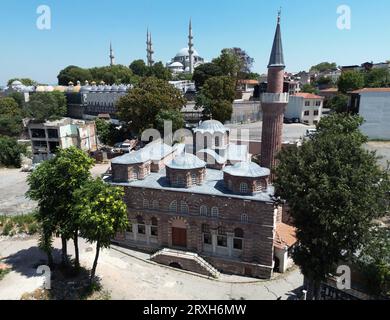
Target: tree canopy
(216,98)
(324,66)
(377,78)
(73,74)
(338,103)
(11,151)
(205,72)
(335,189)
(25,81)
(11,116)
(140,107)
(350,80)
(47,106)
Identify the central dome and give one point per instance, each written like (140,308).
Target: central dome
(211,126)
(184,53)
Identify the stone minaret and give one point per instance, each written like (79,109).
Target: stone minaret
(149,49)
(273,103)
(191,48)
(112,57)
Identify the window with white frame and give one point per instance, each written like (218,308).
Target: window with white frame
(141,225)
(154,227)
(244,218)
(214,212)
(203,211)
(207,238)
(173,206)
(184,209)
(238,239)
(222,237)
(194,178)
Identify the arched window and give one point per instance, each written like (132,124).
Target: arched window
(134,174)
(230,185)
(184,209)
(243,188)
(180,181)
(154,227)
(222,237)
(155,204)
(238,239)
(244,218)
(207,239)
(141,225)
(203,211)
(214,212)
(173,206)
(146,204)
(217,141)
(205,142)
(194,179)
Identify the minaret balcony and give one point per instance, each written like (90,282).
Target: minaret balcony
(275,98)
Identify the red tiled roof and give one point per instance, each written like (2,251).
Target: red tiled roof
(371,90)
(329,90)
(308,95)
(248,81)
(285,236)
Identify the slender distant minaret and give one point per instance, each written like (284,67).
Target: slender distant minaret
(191,48)
(112,57)
(274,103)
(149,49)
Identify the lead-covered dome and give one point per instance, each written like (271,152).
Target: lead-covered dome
(186,161)
(211,126)
(247,169)
(185,53)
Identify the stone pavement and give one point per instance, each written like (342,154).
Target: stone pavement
(129,275)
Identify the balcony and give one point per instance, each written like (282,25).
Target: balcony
(275,98)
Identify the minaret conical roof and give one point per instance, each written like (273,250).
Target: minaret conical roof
(277,57)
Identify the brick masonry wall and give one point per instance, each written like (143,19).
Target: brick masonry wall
(258,232)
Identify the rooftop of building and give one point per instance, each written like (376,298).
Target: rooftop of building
(307,95)
(211,126)
(285,236)
(58,123)
(370,90)
(212,186)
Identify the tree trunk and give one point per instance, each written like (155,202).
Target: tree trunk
(64,255)
(313,288)
(93,271)
(49,258)
(76,250)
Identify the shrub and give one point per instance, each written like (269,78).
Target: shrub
(11,151)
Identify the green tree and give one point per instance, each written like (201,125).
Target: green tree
(159,71)
(230,63)
(324,66)
(139,108)
(173,115)
(350,80)
(374,262)
(11,151)
(338,103)
(139,68)
(73,74)
(309,88)
(335,189)
(377,78)
(53,185)
(18,97)
(10,117)
(24,81)
(116,74)
(47,106)
(102,214)
(205,72)
(216,98)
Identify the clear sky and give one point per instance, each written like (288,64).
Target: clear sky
(82,30)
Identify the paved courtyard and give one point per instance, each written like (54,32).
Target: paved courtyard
(128,275)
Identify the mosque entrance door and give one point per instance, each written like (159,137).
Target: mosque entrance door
(179,237)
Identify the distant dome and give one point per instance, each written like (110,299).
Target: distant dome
(247,169)
(122,88)
(186,161)
(184,53)
(85,89)
(211,126)
(40,89)
(107,88)
(16,83)
(114,87)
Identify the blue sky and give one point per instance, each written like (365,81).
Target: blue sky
(81,32)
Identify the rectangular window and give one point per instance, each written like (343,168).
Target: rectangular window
(316,112)
(318,103)
(222,241)
(141,229)
(237,244)
(154,231)
(207,239)
(307,113)
(307,103)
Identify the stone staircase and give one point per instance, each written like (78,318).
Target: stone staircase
(186,260)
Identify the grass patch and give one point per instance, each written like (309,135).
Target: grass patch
(13,225)
(4,270)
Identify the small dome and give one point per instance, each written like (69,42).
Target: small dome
(122,88)
(107,88)
(247,169)
(114,88)
(184,53)
(85,89)
(186,161)
(176,65)
(211,126)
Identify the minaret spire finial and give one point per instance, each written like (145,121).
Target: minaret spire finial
(191,47)
(279,14)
